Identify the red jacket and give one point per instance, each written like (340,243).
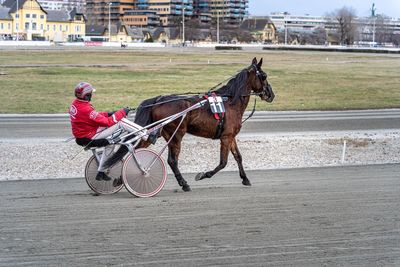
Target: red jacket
(85,120)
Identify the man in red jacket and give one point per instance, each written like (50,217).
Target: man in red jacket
(91,128)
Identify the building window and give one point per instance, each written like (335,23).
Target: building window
(34,26)
(42,16)
(9,26)
(1,25)
(60,27)
(16,16)
(17,26)
(54,27)
(27,16)
(41,27)
(34,16)
(48,27)
(26,25)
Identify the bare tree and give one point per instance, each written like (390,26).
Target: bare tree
(382,31)
(345,24)
(193,29)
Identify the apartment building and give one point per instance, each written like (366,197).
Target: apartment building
(168,12)
(201,11)
(230,11)
(62,4)
(103,12)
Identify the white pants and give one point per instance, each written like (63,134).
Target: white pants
(126,126)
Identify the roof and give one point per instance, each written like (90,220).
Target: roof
(117,28)
(62,15)
(4,13)
(135,33)
(172,32)
(255,24)
(57,15)
(12,5)
(95,30)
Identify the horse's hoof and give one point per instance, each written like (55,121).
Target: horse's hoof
(186,188)
(246,182)
(199,176)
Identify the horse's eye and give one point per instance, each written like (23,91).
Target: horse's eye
(263,76)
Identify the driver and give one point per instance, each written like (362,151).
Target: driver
(91,128)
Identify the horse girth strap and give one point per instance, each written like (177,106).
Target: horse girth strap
(220,126)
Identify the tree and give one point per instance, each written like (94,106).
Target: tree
(382,29)
(345,24)
(193,29)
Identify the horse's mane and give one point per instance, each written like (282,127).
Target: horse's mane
(143,112)
(236,87)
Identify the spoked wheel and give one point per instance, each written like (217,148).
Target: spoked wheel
(103,187)
(144,184)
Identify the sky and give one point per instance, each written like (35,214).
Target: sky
(390,8)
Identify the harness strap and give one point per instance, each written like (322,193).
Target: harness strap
(252,112)
(220,128)
(220,117)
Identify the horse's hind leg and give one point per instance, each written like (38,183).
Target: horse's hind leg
(224,151)
(174,148)
(238,157)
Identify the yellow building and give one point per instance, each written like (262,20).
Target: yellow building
(29,21)
(262,29)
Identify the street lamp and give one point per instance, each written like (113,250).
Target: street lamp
(218,27)
(183,26)
(286,31)
(17,15)
(109,22)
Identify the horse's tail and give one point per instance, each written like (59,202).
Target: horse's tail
(143,112)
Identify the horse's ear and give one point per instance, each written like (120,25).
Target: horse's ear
(254,62)
(260,63)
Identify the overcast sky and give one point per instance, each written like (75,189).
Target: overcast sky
(321,7)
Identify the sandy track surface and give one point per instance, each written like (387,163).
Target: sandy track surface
(337,216)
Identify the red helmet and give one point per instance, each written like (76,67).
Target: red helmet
(84,91)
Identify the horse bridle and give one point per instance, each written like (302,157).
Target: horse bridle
(262,76)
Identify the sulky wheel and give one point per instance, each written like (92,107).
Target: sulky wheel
(103,187)
(146,184)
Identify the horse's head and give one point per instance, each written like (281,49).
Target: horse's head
(259,83)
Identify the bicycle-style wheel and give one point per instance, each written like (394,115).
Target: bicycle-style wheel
(146,184)
(103,187)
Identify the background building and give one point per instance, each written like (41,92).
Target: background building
(31,22)
(230,11)
(168,12)
(202,11)
(62,4)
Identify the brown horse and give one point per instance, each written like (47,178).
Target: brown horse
(201,122)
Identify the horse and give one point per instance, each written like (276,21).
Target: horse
(201,122)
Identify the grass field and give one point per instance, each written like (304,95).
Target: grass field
(43,81)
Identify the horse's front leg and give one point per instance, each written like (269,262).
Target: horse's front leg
(224,151)
(238,157)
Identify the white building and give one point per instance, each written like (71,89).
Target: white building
(62,4)
(297,22)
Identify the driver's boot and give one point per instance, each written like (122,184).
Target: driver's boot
(101,176)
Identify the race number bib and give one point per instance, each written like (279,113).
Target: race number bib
(216,104)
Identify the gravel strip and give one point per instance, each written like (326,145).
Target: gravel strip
(52,158)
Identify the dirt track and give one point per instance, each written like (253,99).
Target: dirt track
(301,217)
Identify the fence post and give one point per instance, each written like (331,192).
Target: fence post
(344,150)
